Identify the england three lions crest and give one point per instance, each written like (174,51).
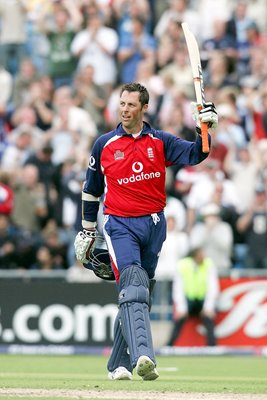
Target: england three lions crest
(119,155)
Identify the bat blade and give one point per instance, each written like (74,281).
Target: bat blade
(193,50)
(194,56)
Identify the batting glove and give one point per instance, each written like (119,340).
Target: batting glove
(84,243)
(208,114)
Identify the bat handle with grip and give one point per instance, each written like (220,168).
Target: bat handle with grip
(204,134)
(205,137)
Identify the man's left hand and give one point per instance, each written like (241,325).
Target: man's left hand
(84,243)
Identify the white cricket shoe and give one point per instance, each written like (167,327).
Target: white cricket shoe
(146,369)
(120,374)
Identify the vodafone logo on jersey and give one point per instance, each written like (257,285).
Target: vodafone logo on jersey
(138,175)
(137,167)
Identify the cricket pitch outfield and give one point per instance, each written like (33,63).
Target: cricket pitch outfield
(85,377)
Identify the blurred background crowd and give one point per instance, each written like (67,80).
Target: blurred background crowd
(62,63)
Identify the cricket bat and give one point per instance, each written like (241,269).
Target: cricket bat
(195,62)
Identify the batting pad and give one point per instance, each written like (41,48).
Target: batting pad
(134,307)
(119,355)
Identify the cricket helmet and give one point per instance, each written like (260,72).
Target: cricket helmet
(99,260)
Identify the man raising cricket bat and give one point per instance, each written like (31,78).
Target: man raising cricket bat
(127,165)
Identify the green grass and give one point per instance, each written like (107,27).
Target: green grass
(225,374)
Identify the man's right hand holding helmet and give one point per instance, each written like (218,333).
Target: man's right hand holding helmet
(84,243)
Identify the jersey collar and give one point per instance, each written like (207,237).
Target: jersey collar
(146,129)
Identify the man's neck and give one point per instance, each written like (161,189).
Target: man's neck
(134,132)
(135,135)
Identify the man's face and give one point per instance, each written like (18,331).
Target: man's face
(131,111)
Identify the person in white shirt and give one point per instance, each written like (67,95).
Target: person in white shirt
(175,247)
(214,236)
(96,45)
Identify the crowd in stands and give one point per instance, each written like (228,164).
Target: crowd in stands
(62,63)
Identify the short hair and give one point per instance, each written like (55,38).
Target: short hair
(137,87)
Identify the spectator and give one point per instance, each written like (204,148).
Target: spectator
(125,11)
(261,154)
(55,244)
(47,88)
(6,83)
(237,28)
(37,44)
(42,105)
(61,62)
(175,207)
(219,70)
(257,11)
(170,43)
(215,237)
(24,118)
(178,125)
(68,207)
(264,111)
(27,74)
(173,98)
(96,45)
(175,247)
(184,180)
(253,224)
(242,167)
(29,200)
(75,124)
(218,151)
(195,292)
(47,176)
(6,112)
(208,11)
(6,195)
(13,35)
(45,260)
(180,11)
(246,102)
(90,96)
(222,41)
(8,243)
(111,112)
(211,186)
(229,130)
(180,73)
(137,46)
(18,150)
(257,110)
(147,76)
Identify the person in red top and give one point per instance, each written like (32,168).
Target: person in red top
(6,198)
(128,165)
